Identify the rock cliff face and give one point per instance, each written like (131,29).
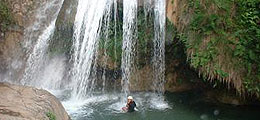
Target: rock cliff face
(22,11)
(11,50)
(29,18)
(10,40)
(179,77)
(175,13)
(27,103)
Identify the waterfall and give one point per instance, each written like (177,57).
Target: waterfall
(87,28)
(129,41)
(147,7)
(93,19)
(107,21)
(44,16)
(115,28)
(159,45)
(92,26)
(115,40)
(36,59)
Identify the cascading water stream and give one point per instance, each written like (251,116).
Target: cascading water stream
(107,21)
(87,27)
(88,24)
(159,45)
(44,16)
(36,59)
(115,17)
(129,41)
(115,28)
(91,18)
(147,8)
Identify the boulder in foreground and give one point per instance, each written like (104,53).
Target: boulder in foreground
(27,103)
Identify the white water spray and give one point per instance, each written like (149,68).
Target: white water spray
(129,40)
(36,59)
(44,14)
(87,27)
(107,21)
(148,4)
(159,45)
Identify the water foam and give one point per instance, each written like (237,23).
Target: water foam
(113,103)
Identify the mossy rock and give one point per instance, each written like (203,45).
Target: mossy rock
(5,17)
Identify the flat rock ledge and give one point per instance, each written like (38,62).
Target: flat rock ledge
(28,103)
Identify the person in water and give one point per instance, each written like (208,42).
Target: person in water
(130,106)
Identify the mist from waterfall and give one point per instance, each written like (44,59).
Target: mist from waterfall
(37,56)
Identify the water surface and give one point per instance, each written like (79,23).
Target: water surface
(172,106)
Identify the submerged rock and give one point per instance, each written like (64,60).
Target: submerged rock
(22,103)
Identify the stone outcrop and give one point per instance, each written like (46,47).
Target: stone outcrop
(62,40)
(22,10)
(175,13)
(179,77)
(27,103)
(11,50)
(67,14)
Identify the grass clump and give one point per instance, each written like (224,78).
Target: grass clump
(51,116)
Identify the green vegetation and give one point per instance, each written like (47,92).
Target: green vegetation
(111,44)
(223,41)
(5,17)
(210,31)
(61,41)
(248,45)
(51,116)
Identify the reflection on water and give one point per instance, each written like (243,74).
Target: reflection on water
(182,106)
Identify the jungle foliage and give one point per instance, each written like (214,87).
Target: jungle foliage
(248,45)
(223,41)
